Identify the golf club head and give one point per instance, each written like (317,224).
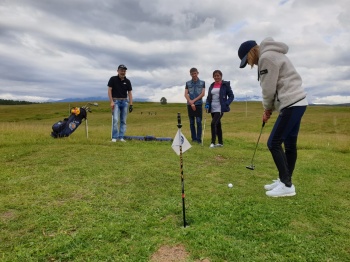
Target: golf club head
(92,104)
(87,108)
(251,167)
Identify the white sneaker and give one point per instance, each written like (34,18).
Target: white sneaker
(212,145)
(281,191)
(273,185)
(122,140)
(114,140)
(219,145)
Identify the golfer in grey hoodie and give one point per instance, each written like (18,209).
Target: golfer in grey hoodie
(282,91)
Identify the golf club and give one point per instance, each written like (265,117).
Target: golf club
(112,126)
(205,119)
(88,108)
(251,166)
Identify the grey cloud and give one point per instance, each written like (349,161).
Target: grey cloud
(344,19)
(139,22)
(73,47)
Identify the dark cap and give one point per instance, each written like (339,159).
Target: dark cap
(244,50)
(122,67)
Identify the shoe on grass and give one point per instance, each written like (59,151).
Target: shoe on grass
(219,145)
(114,140)
(122,140)
(281,190)
(273,185)
(212,145)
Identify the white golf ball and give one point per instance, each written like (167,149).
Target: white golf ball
(230,185)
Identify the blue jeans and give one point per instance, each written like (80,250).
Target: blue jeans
(196,136)
(120,113)
(286,130)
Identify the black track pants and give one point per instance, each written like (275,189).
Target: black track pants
(286,130)
(216,127)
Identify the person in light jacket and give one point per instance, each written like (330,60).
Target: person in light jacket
(219,98)
(282,91)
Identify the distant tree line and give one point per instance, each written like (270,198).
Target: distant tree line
(14,102)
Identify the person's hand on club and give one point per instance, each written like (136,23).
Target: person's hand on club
(112,106)
(207,108)
(130,108)
(267,114)
(193,106)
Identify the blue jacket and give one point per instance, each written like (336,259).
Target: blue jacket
(226,96)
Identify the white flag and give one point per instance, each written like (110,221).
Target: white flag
(180,140)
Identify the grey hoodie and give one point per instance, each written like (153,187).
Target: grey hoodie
(280,82)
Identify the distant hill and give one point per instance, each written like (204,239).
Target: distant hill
(344,104)
(95,98)
(136,99)
(14,102)
(248,98)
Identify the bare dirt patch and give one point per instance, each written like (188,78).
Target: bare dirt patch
(220,158)
(172,254)
(8,215)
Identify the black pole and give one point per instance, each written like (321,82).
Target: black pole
(179,125)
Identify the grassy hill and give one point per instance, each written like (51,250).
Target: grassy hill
(79,199)
(14,102)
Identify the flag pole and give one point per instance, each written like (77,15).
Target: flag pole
(179,125)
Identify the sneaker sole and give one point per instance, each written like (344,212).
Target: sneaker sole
(285,195)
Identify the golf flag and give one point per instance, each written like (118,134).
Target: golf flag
(177,142)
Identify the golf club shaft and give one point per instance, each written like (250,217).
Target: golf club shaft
(112,126)
(257,143)
(205,119)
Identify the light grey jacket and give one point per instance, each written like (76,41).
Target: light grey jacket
(280,82)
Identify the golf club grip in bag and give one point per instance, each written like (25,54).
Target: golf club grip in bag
(69,125)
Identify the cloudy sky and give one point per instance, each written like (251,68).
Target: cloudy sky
(56,49)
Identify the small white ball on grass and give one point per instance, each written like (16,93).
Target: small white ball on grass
(230,185)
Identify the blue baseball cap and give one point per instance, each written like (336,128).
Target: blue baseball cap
(244,50)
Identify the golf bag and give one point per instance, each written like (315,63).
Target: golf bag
(69,125)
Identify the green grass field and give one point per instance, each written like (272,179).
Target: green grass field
(78,199)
